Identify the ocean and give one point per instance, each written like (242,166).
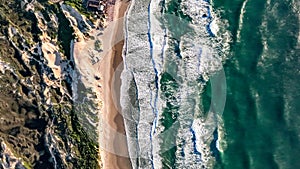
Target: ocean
(212,84)
(261,118)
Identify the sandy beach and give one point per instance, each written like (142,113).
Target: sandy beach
(106,66)
(110,113)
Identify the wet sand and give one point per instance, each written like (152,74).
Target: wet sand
(112,139)
(112,118)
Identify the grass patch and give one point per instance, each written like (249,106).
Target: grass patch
(78,4)
(65,30)
(88,149)
(27,165)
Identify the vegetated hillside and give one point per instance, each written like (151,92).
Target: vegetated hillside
(38,124)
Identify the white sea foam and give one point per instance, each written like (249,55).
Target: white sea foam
(138,66)
(202,50)
(241,19)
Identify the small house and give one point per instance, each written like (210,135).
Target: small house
(93,4)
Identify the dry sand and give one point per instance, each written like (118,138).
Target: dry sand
(113,143)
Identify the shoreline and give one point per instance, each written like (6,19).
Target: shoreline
(100,71)
(110,114)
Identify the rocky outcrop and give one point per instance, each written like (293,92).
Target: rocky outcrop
(39,126)
(8,159)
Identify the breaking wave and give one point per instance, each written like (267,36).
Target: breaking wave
(169,55)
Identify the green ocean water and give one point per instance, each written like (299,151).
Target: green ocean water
(261,116)
(261,120)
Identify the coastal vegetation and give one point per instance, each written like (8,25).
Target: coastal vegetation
(65,31)
(31,121)
(78,4)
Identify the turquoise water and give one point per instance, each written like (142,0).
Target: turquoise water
(178,126)
(261,117)
(261,120)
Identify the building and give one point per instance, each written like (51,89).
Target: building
(93,4)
